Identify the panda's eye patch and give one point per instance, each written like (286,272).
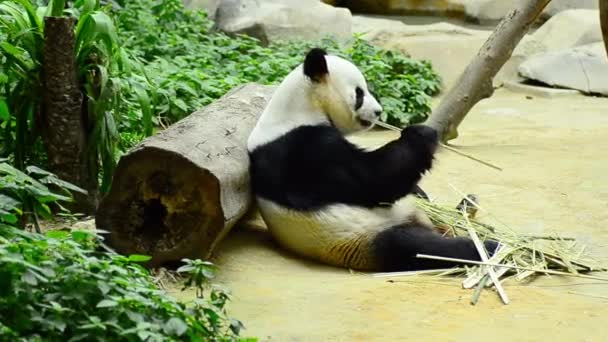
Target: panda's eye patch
(359,98)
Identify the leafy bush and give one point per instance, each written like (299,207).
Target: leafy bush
(63,286)
(103,69)
(161,63)
(29,194)
(188,65)
(68,285)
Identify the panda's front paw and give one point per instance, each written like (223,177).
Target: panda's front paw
(421,137)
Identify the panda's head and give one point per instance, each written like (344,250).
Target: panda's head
(338,89)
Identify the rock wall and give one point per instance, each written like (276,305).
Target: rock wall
(481,11)
(270,20)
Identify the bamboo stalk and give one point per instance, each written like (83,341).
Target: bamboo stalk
(484,257)
(464,261)
(410,273)
(449,148)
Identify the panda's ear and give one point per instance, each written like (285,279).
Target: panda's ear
(315,65)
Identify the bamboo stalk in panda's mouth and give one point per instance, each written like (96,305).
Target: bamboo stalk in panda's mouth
(449,148)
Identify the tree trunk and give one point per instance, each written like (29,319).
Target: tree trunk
(64,134)
(475,83)
(178,193)
(604,21)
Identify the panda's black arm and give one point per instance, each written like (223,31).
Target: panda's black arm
(396,168)
(328,168)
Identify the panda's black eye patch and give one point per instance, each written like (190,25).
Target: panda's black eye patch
(359,98)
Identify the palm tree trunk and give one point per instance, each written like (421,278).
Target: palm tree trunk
(64,133)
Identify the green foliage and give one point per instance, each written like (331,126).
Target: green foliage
(30,194)
(66,286)
(188,65)
(21,43)
(162,62)
(103,68)
(69,285)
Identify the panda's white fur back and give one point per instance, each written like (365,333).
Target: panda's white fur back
(325,199)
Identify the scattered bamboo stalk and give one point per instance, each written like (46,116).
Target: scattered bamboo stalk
(449,148)
(484,257)
(475,278)
(547,271)
(478,289)
(410,273)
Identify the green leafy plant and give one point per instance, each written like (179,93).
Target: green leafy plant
(66,286)
(144,64)
(69,285)
(187,64)
(21,43)
(30,194)
(104,70)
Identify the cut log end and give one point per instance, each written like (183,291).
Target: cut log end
(162,205)
(179,192)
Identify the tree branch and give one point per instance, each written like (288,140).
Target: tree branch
(604,21)
(475,83)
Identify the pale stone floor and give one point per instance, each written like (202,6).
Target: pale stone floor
(555,161)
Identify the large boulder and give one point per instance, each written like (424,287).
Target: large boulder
(556,6)
(481,11)
(448,47)
(488,11)
(583,68)
(567,29)
(485,11)
(270,20)
(396,7)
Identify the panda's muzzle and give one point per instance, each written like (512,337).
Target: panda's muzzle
(364,122)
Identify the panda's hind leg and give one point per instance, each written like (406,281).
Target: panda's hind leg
(395,248)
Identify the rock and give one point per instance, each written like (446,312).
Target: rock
(583,68)
(557,6)
(565,30)
(480,11)
(538,91)
(400,7)
(488,11)
(87,225)
(448,47)
(210,6)
(270,20)
(568,28)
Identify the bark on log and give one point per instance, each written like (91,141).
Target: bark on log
(64,134)
(475,83)
(179,192)
(604,21)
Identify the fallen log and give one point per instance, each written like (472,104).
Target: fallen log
(179,192)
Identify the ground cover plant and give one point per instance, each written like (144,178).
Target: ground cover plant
(189,65)
(144,64)
(66,285)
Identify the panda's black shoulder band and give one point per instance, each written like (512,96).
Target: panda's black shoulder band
(315,65)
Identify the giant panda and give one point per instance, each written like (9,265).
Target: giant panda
(325,199)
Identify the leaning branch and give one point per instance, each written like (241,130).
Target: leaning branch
(475,83)
(604,21)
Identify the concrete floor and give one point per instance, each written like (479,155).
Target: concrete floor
(555,178)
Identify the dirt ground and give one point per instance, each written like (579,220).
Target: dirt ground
(555,178)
